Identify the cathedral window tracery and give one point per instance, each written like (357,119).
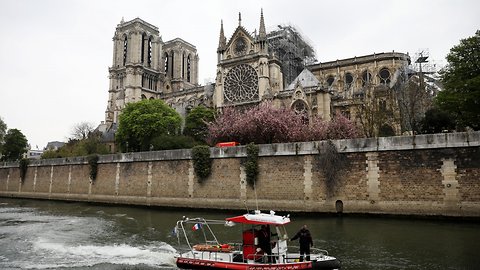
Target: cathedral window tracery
(241,84)
(348,81)
(300,107)
(240,46)
(330,80)
(366,78)
(384,75)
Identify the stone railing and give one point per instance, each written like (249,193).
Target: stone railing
(428,141)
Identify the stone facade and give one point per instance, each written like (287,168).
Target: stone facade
(248,72)
(411,175)
(145,67)
(365,86)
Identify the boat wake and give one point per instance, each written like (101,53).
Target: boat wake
(32,239)
(61,255)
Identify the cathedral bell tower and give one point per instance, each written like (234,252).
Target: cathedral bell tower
(246,73)
(137,69)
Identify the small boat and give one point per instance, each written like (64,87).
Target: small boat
(207,252)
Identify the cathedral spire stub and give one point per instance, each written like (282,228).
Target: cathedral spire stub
(262,33)
(239,19)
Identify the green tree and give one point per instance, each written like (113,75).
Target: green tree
(3,131)
(461,78)
(91,144)
(196,123)
(142,121)
(437,121)
(166,142)
(15,145)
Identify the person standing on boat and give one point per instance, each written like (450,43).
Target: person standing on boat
(264,241)
(305,239)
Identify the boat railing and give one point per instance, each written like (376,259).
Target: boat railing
(318,251)
(180,230)
(263,258)
(236,246)
(313,251)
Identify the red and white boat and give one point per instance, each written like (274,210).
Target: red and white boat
(207,252)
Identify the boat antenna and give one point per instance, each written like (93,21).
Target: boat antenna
(246,206)
(255,190)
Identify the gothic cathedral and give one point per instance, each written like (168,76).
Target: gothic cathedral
(253,67)
(145,67)
(245,72)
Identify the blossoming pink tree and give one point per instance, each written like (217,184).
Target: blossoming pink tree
(267,124)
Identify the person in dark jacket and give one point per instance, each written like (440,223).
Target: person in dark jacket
(264,241)
(306,241)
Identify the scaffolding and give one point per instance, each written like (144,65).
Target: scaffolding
(294,52)
(422,63)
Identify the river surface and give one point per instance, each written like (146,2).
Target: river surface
(69,235)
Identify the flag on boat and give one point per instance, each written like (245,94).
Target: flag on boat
(197,226)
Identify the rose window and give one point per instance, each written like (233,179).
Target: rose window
(300,107)
(241,84)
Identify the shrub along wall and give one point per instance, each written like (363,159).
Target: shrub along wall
(414,175)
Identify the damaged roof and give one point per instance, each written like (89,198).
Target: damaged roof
(305,79)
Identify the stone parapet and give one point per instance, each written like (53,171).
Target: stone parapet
(409,175)
(395,143)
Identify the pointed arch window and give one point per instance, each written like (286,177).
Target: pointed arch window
(366,78)
(125,49)
(348,81)
(301,108)
(172,55)
(384,75)
(330,80)
(149,56)
(166,63)
(189,69)
(144,38)
(183,65)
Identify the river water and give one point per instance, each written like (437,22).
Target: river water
(69,235)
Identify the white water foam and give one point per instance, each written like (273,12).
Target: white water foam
(61,255)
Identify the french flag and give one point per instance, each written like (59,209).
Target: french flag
(197,226)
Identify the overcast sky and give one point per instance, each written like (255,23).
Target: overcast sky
(55,54)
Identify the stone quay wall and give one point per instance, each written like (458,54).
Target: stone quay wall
(430,175)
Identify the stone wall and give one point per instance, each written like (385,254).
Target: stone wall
(410,175)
